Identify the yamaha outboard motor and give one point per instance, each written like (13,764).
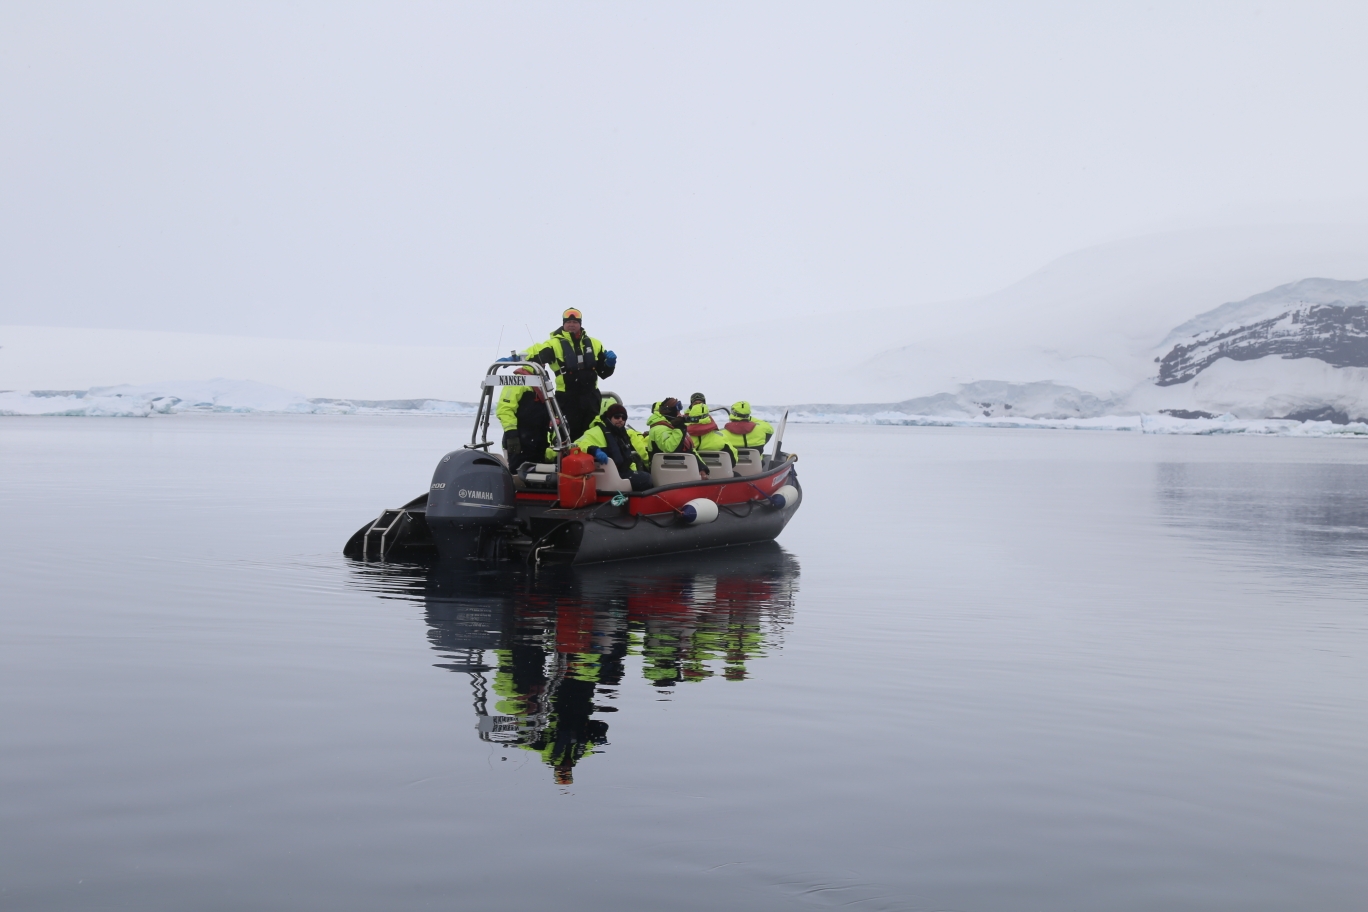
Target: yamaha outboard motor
(469,504)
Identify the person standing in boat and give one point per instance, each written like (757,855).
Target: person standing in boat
(609,437)
(526,423)
(579,362)
(742,431)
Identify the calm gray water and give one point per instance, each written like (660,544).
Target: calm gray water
(985,670)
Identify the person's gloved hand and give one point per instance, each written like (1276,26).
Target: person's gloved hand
(508,358)
(511,444)
(610,358)
(600,457)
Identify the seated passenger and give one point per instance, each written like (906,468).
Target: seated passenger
(703,429)
(526,423)
(668,433)
(745,432)
(639,441)
(609,437)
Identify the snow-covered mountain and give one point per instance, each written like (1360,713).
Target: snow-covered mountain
(1092,322)
(984,399)
(1163,324)
(1297,352)
(1259,323)
(1324,319)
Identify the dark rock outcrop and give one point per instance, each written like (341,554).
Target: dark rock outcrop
(1327,413)
(1335,333)
(1186,414)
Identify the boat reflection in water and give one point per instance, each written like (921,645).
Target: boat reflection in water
(552,651)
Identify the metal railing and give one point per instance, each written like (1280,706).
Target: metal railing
(503,374)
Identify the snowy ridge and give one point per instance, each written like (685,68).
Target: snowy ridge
(989,399)
(223,396)
(1313,318)
(1096,339)
(1269,304)
(1144,424)
(981,405)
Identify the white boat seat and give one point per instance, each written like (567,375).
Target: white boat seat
(719,463)
(607,478)
(748,463)
(673,468)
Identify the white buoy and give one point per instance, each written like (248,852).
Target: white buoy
(784,496)
(699,511)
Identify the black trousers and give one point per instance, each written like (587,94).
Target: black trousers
(580,408)
(533,442)
(626,460)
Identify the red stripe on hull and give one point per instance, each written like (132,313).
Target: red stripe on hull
(728,492)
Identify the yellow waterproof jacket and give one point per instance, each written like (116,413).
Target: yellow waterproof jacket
(509,400)
(664,437)
(581,361)
(703,429)
(596,437)
(751,434)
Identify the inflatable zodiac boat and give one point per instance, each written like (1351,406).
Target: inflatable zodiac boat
(575,510)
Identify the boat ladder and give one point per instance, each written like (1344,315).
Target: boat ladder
(385,532)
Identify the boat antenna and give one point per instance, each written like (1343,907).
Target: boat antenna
(499,345)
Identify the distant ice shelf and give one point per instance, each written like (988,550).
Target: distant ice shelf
(1143,424)
(222,396)
(246,397)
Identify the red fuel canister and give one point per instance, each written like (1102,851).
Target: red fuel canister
(576,487)
(576,491)
(576,462)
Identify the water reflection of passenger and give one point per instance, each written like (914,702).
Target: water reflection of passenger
(713,620)
(551,694)
(558,646)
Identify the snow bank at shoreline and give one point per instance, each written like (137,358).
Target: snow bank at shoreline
(1143,424)
(247,397)
(221,396)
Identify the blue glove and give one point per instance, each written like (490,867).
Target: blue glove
(610,358)
(600,457)
(509,358)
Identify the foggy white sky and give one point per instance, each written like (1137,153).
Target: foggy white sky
(424,173)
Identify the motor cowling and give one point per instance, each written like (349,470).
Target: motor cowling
(471,486)
(471,493)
